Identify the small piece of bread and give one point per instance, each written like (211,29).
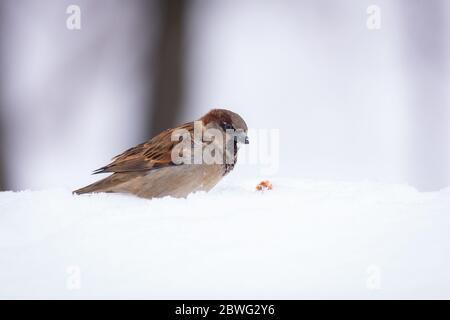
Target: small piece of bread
(264,185)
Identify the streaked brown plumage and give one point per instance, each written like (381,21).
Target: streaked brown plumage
(147,170)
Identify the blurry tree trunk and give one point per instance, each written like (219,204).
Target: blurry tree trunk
(427,60)
(168,67)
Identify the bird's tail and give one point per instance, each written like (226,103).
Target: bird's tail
(103,185)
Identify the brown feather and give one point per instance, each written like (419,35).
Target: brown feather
(216,115)
(155,153)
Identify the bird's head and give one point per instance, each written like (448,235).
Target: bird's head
(228,121)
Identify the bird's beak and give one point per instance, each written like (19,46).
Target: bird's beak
(246,141)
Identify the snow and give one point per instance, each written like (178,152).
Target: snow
(303,239)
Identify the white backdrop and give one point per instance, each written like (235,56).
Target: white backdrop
(350,103)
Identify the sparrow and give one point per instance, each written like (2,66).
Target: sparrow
(177,161)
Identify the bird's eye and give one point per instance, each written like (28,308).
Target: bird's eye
(227,126)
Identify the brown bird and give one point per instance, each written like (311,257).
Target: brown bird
(169,166)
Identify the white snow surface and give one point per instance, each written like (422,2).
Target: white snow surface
(303,239)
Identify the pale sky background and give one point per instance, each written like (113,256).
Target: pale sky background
(350,103)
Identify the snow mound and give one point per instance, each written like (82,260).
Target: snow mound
(303,239)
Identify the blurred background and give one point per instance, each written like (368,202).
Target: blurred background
(350,102)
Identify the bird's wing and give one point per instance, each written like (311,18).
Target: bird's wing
(155,153)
